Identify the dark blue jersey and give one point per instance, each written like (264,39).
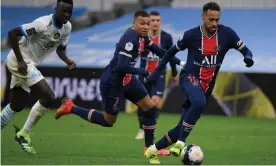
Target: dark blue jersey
(149,60)
(130,45)
(205,54)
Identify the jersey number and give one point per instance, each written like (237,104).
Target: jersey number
(193,79)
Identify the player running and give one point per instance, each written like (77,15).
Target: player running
(41,38)
(118,79)
(207,45)
(150,62)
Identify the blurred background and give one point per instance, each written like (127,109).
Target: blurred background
(239,123)
(98,25)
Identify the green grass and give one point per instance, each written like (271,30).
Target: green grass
(71,140)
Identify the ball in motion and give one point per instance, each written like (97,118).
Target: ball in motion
(192,155)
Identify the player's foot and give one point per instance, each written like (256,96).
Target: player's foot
(161,152)
(65,108)
(140,134)
(24,140)
(151,154)
(177,148)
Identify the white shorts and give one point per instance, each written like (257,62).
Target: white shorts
(24,81)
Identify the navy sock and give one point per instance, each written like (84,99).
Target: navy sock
(140,118)
(171,136)
(92,116)
(149,122)
(190,119)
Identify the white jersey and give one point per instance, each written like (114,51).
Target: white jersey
(41,38)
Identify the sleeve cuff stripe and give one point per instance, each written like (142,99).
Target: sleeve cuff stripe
(177,47)
(126,54)
(241,47)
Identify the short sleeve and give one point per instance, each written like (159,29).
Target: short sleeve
(32,28)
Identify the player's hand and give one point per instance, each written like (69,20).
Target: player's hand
(248,61)
(71,64)
(22,67)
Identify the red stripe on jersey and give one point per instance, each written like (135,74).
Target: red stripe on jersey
(208,49)
(151,65)
(206,75)
(127,79)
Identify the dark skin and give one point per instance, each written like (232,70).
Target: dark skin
(63,13)
(210,22)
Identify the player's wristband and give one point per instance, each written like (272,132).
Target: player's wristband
(182,63)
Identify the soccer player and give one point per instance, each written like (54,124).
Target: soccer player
(207,45)
(118,79)
(150,61)
(41,38)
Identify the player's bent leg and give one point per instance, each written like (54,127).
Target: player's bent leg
(18,98)
(104,119)
(149,122)
(171,136)
(46,96)
(156,99)
(197,100)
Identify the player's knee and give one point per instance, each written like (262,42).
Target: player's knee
(51,96)
(156,100)
(47,99)
(146,103)
(199,105)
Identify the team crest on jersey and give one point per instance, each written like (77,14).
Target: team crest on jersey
(217,48)
(57,35)
(141,45)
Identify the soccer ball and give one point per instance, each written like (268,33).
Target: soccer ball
(192,155)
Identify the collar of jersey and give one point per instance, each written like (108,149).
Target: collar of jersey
(207,35)
(53,21)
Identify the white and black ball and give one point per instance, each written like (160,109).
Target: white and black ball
(192,155)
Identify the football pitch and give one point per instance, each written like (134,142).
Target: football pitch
(70,140)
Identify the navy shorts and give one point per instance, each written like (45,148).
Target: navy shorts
(111,92)
(134,91)
(192,88)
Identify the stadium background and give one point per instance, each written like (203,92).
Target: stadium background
(98,24)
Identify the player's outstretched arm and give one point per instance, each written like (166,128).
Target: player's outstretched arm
(247,54)
(124,67)
(160,52)
(168,57)
(239,45)
(62,53)
(13,35)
